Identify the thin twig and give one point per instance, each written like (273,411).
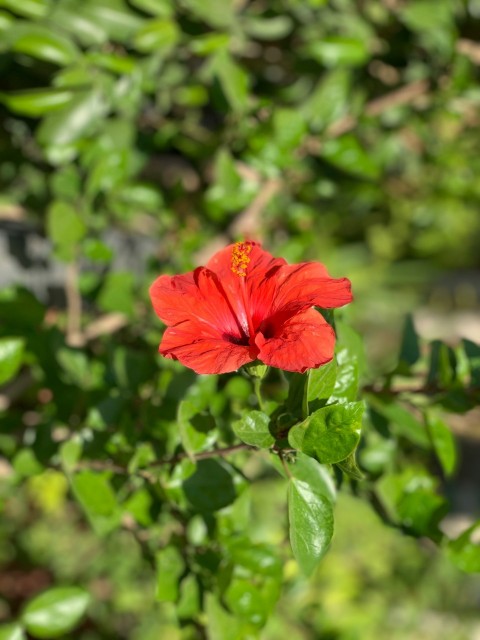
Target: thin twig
(74,305)
(147,474)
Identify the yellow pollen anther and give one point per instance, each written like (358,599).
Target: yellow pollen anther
(240,258)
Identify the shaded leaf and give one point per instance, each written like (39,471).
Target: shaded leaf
(211,487)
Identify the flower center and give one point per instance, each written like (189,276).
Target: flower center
(240,258)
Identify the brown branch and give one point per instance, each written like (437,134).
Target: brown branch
(74,306)
(147,474)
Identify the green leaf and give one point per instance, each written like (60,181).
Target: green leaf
(337,51)
(297,399)
(220,623)
(350,467)
(117,293)
(82,116)
(95,494)
(70,453)
(11,632)
(161,8)
(113,16)
(79,370)
(218,13)
(274,28)
(351,362)
(42,43)
(322,382)
(28,8)
(211,487)
(464,552)
(443,442)
(472,351)
(37,102)
(233,80)
(410,348)
(403,422)
(347,154)
(194,427)
(309,470)
(65,228)
(170,566)
(157,35)
(253,429)
(310,515)
(442,365)
(330,99)
(55,612)
(11,356)
(331,433)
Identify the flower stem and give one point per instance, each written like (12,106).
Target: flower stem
(257,385)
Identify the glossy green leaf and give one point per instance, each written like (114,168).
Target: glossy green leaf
(55,612)
(11,632)
(253,428)
(310,515)
(37,102)
(346,153)
(297,399)
(443,442)
(322,382)
(350,357)
(11,356)
(170,566)
(464,552)
(330,434)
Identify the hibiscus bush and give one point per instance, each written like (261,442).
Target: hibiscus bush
(227,230)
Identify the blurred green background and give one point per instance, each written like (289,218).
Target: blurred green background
(139,137)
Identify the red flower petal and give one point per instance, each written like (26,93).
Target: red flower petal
(198,296)
(259,285)
(304,341)
(203,350)
(304,285)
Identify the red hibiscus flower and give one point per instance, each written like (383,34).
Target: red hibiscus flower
(246,305)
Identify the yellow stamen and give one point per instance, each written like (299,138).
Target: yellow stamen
(240,258)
